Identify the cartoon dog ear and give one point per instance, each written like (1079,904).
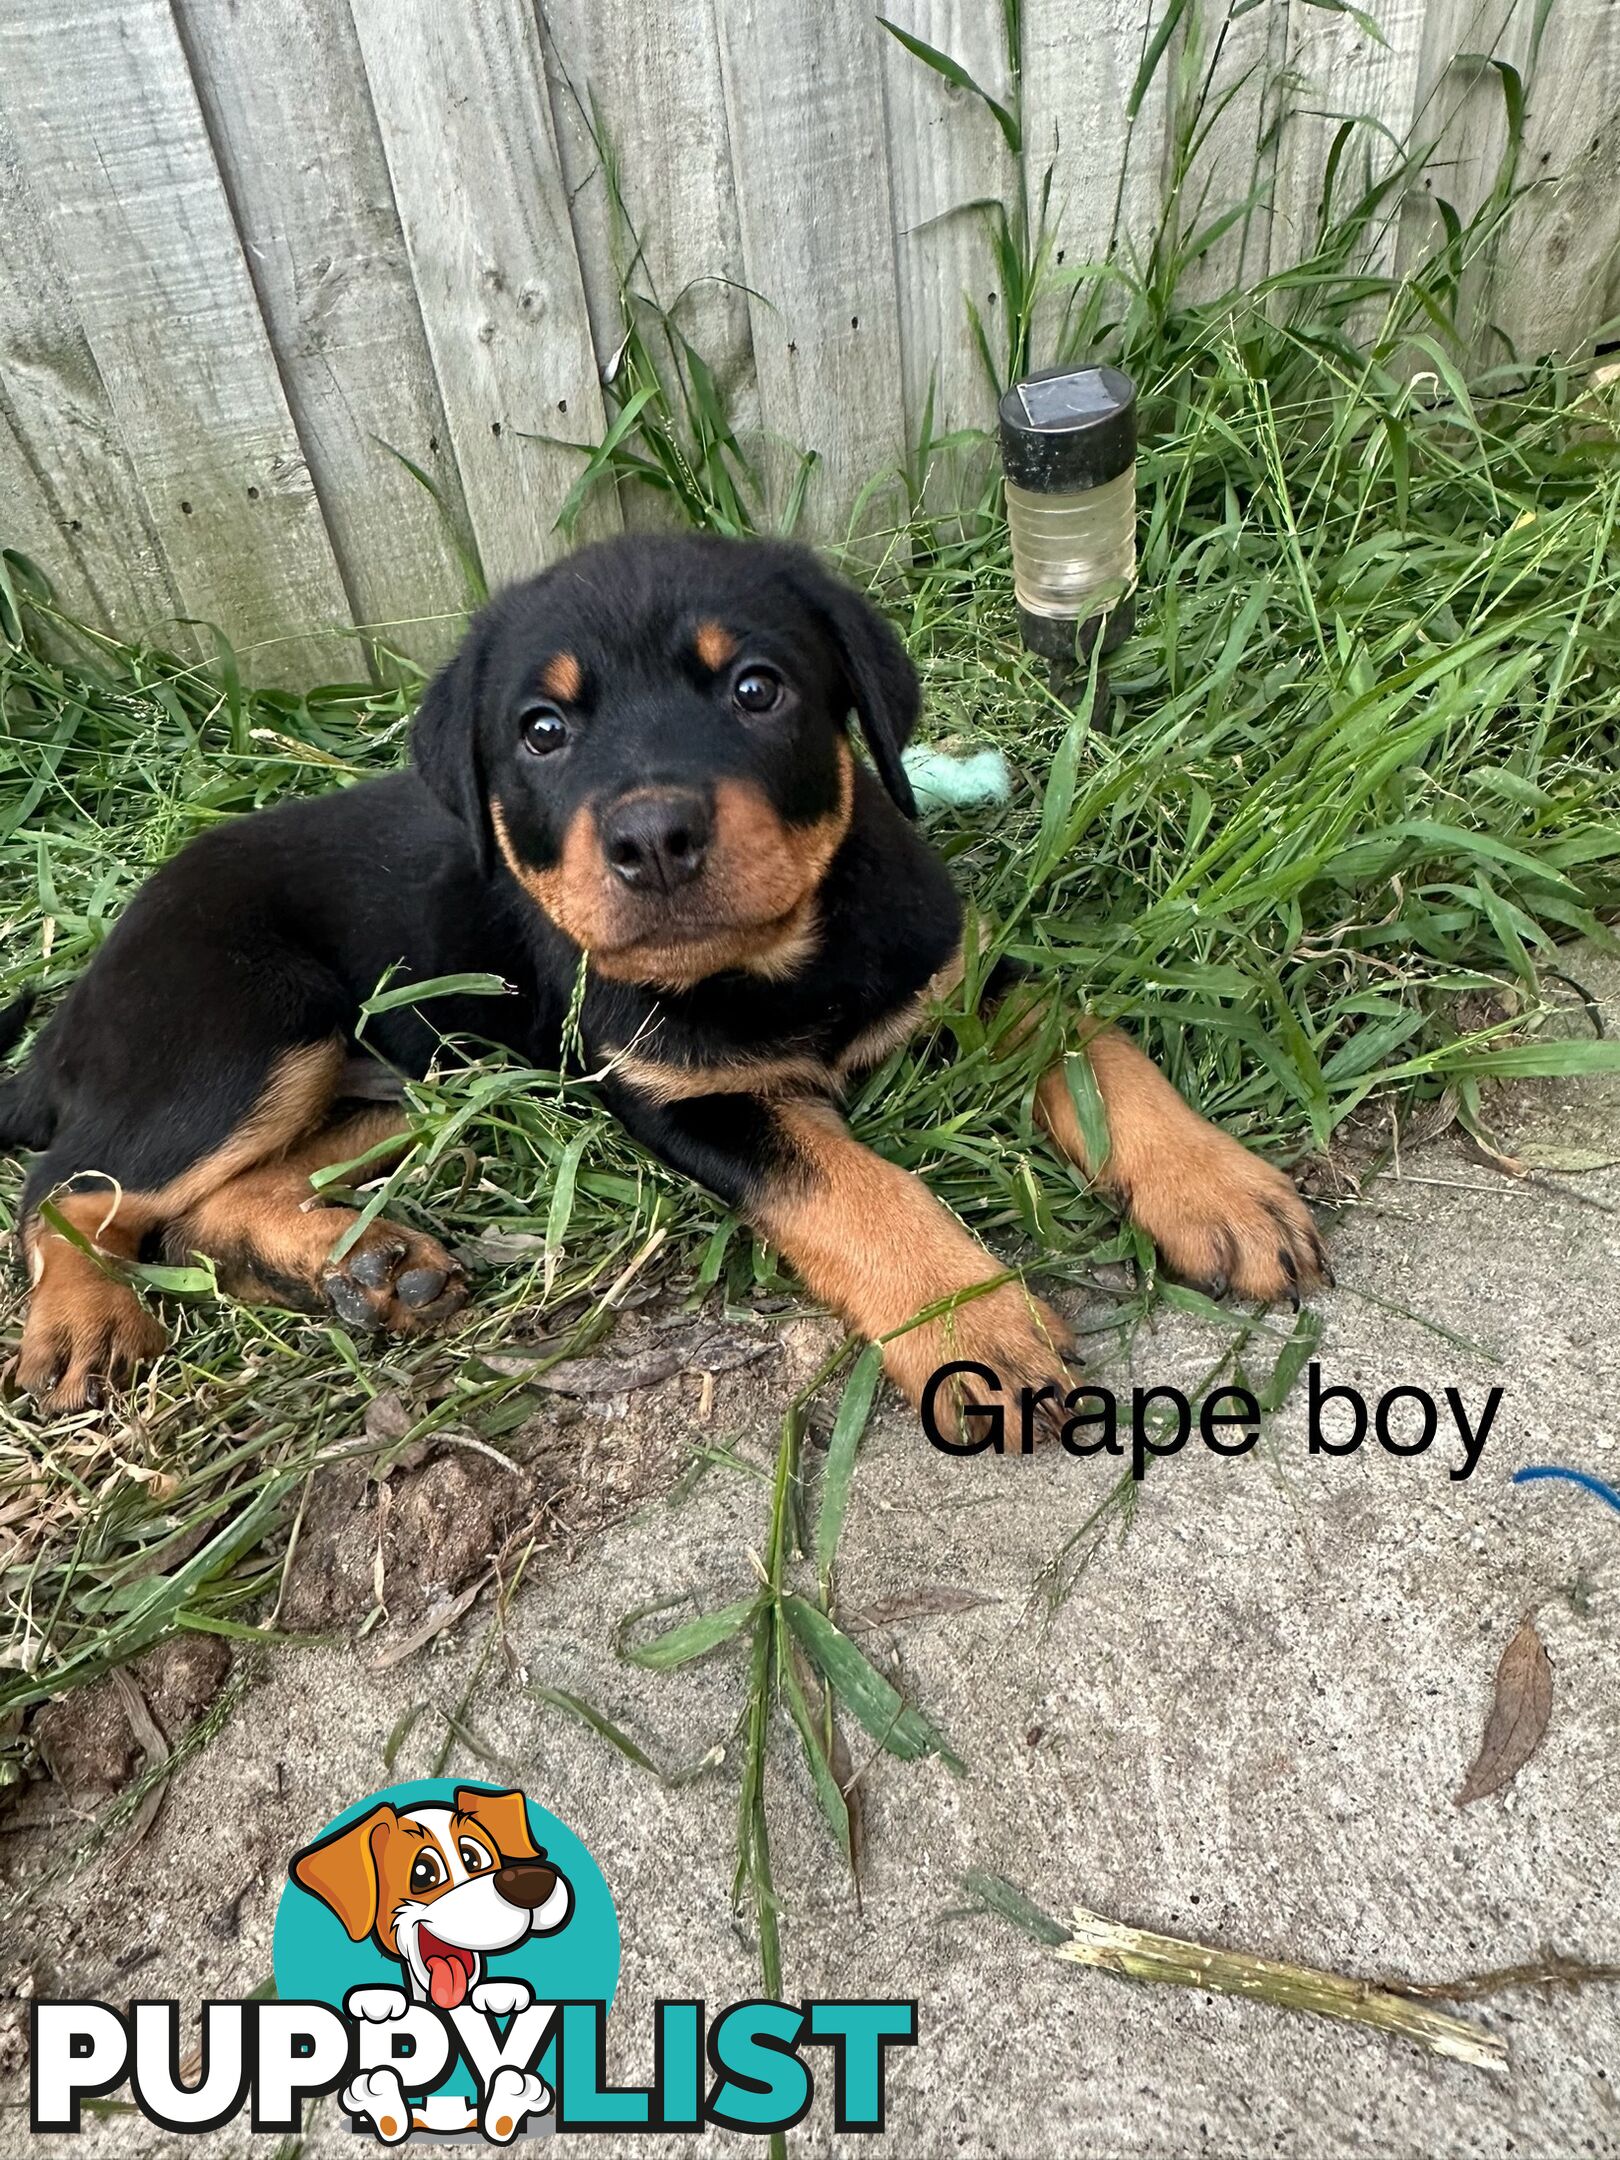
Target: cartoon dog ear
(444,744)
(882,681)
(504,1815)
(341,1870)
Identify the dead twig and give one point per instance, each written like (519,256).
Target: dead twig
(1550,1970)
(1133,1954)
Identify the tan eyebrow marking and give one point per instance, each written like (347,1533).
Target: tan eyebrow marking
(715,645)
(563,676)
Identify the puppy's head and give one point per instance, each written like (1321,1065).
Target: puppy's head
(439,1888)
(652,735)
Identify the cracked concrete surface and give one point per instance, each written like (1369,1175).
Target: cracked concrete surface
(1247,1724)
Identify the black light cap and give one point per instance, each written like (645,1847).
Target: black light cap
(1066,429)
(1068,642)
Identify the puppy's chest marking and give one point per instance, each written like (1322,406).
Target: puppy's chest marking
(805,1067)
(881,1036)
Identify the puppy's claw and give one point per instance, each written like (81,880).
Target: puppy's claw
(1232,1222)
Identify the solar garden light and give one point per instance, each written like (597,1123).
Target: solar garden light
(1068,446)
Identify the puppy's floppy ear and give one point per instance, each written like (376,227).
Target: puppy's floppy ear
(341,1870)
(504,1815)
(444,744)
(882,681)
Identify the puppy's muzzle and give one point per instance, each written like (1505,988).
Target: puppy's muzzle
(657,839)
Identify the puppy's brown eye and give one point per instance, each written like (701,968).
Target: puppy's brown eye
(543,729)
(427,1871)
(757,690)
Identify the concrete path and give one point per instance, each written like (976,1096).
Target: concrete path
(1247,1724)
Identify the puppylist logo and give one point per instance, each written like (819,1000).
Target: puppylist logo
(445,1957)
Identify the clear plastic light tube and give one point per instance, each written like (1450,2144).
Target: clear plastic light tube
(1068,443)
(1074,554)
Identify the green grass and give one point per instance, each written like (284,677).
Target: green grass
(1358,781)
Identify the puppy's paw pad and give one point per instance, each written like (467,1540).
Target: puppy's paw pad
(399,1281)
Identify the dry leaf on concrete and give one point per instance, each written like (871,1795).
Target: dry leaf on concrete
(924,1603)
(1519,1714)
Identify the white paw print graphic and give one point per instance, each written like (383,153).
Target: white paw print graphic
(377,2005)
(512,2095)
(502,1998)
(379,2097)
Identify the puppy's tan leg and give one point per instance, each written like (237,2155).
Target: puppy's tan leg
(87,1330)
(871,1240)
(1222,1218)
(271,1239)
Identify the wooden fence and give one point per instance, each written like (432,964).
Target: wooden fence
(252,249)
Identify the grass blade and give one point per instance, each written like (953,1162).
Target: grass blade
(693,1639)
(858,1684)
(854,1411)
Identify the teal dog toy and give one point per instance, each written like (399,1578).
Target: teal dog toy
(943,779)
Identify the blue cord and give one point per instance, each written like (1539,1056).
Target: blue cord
(1583,1478)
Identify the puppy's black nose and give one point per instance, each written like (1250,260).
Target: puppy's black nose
(656,839)
(525,1882)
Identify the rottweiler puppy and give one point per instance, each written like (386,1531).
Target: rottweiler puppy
(642,757)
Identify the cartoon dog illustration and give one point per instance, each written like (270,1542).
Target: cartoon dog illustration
(440,1889)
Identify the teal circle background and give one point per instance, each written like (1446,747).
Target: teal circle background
(314,1960)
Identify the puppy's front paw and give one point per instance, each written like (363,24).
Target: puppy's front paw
(1012,1334)
(83,1338)
(1224,1220)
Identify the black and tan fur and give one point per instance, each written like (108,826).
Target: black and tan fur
(642,753)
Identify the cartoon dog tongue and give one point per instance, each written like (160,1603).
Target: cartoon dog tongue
(447,1981)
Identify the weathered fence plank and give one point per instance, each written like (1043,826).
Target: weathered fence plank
(461,102)
(649,79)
(1107,163)
(1557,283)
(70,500)
(947,154)
(1460,109)
(1338,72)
(103,110)
(282,88)
(813,198)
(33,527)
(1233,163)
